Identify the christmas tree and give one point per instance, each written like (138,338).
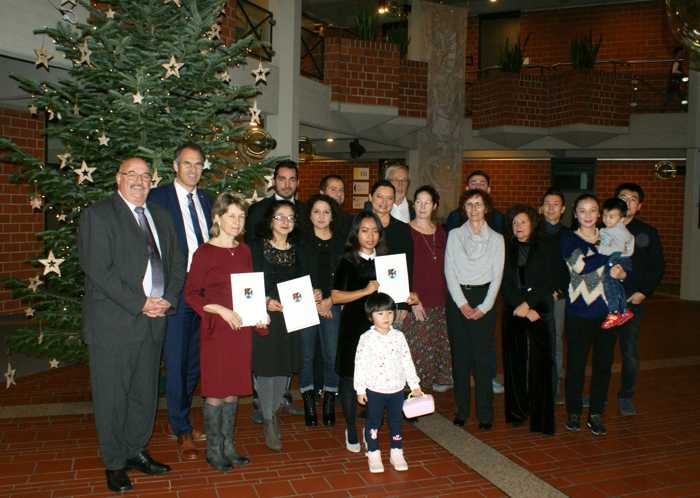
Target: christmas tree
(147,76)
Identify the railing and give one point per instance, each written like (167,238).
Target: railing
(312,48)
(250,18)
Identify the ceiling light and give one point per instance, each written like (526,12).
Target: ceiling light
(330,140)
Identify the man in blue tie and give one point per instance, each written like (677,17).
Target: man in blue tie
(190,211)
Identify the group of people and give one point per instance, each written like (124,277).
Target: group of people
(158,267)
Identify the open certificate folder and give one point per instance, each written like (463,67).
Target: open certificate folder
(249,301)
(392,275)
(298,304)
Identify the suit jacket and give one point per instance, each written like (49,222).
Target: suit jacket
(114,257)
(256,213)
(539,275)
(166,197)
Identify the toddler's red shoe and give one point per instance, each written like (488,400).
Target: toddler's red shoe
(612,320)
(625,317)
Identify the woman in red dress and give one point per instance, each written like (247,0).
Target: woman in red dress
(226,347)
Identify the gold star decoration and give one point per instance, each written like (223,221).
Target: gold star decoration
(268,181)
(84,54)
(52,264)
(76,110)
(254,114)
(137,97)
(10,376)
(33,110)
(36,202)
(172,67)
(260,74)
(34,283)
(29,312)
(53,115)
(61,217)
(223,76)
(207,164)
(42,57)
(176,2)
(110,13)
(214,32)
(53,363)
(64,159)
(84,173)
(104,140)
(155,179)
(253,198)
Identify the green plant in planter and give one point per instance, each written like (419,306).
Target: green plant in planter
(584,51)
(398,34)
(512,57)
(366,23)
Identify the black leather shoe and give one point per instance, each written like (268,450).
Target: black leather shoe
(328,408)
(118,481)
(485,426)
(458,421)
(144,463)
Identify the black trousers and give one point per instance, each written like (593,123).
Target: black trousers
(124,382)
(470,344)
(528,361)
(582,336)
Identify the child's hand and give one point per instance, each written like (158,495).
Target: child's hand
(417,392)
(362,399)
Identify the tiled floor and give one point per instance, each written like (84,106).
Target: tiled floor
(655,454)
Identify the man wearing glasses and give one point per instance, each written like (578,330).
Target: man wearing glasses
(134,273)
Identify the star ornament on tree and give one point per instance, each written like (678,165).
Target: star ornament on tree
(36,202)
(207,164)
(52,264)
(34,283)
(109,14)
(260,74)
(155,179)
(104,140)
(42,58)
(29,312)
(84,54)
(254,114)
(214,32)
(10,376)
(33,110)
(137,97)
(172,68)
(53,363)
(176,2)
(84,173)
(253,198)
(64,159)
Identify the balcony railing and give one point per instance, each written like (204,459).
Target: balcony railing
(312,48)
(251,19)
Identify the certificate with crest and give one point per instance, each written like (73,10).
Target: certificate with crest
(298,304)
(249,301)
(392,276)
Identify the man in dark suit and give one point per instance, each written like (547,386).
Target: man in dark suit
(334,187)
(190,211)
(285,181)
(134,273)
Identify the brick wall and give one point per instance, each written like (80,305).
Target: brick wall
(311,173)
(413,89)
(509,99)
(362,72)
(524,182)
(18,223)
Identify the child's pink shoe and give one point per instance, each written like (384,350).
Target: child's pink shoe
(374,459)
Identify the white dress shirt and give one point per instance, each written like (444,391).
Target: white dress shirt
(147,283)
(401,211)
(192,243)
(383,363)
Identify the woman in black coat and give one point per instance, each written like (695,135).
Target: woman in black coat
(527,289)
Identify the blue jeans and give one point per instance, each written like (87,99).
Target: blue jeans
(327,333)
(614,291)
(629,350)
(376,403)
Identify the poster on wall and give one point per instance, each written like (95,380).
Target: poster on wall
(360,174)
(358,202)
(360,188)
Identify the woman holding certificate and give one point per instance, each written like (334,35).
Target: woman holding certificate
(355,280)
(324,244)
(473,269)
(225,346)
(278,254)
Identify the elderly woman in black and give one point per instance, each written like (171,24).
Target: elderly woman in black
(528,283)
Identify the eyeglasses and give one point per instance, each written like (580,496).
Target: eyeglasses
(474,205)
(133,176)
(280,218)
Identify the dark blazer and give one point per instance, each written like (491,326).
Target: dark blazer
(166,197)
(538,275)
(114,257)
(647,259)
(256,213)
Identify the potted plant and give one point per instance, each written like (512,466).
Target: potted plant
(366,23)
(512,57)
(584,51)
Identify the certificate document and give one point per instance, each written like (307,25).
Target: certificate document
(248,291)
(298,304)
(392,276)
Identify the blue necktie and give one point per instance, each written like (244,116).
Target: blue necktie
(195,220)
(157,278)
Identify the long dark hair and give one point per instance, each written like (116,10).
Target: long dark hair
(308,226)
(352,244)
(264,229)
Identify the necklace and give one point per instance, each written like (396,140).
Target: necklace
(433,249)
(231,251)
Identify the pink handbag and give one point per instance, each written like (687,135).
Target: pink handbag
(416,407)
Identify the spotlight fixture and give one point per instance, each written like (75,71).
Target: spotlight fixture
(684,102)
(684,79)
(330,140)
(356,149)
(667,170)
(382,8)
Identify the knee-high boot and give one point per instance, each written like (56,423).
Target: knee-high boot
(228,430)
(215,439)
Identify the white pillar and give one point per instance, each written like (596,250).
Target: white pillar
(286,42)
(690,265)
